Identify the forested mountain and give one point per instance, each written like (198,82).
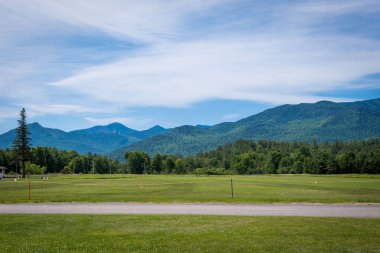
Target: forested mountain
(120,129)
(322,121)
(98,139)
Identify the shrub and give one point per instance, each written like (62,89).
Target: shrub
(32,168)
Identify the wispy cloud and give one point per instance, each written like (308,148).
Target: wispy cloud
(65,57)
(7,113)
(338,7)
(271,69)
(148,20)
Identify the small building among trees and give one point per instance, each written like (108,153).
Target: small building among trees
(2,172)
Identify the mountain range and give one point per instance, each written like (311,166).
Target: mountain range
(97,139)
(322,121)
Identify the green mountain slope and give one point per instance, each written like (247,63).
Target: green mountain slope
(323,121)
(98,139)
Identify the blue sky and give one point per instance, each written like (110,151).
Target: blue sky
(75,64)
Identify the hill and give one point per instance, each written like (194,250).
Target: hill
(322,121)
(98,139)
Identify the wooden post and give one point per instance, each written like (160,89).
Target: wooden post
(29,186)
(232,189)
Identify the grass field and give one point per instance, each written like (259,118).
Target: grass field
(170,233)
(190,188)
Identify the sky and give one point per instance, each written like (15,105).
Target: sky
(76,64)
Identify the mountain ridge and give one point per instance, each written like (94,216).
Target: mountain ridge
(323,121)
(96,139)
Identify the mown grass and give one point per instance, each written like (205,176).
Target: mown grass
(191,188)
(176,233)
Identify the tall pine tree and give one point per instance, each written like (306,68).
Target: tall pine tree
(21,145)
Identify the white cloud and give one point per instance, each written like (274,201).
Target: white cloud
(272,69)
(29,60)
(272,56)
(7,112)
(146,20)
(338,7)
(59,109)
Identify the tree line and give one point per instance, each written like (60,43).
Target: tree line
(241,157)
(51,160)
(267,157)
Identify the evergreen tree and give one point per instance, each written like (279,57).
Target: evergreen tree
(170,164)
(157,163)
(21,145)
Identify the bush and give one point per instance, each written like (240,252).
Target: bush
(32,168)
(66,170)
(210,171)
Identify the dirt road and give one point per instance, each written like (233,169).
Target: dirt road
(294,209)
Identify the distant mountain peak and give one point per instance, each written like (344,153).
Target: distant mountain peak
(97,139)
(156,127)
(116,124)
(325,102)
(35,124)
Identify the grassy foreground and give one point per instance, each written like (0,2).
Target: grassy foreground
(191,188)
(175,233)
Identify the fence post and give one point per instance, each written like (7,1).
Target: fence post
(232,189)
(29,186)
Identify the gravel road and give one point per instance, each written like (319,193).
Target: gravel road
(294,209)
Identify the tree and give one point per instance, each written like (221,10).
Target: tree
(137,161)
(179,167)
(170,165)
(274,160)
(157,163)
(21,144)
(285,165)
(34,169)
(244,163)
(101,164)
(75,165)
(39,156)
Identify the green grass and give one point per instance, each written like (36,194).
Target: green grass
(175,233)
(190,188)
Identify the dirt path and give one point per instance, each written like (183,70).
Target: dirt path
(294,209)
